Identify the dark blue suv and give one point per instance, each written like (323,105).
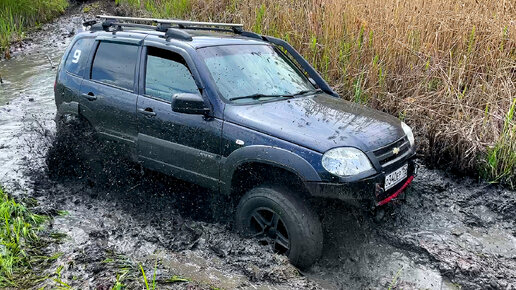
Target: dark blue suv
(240,113)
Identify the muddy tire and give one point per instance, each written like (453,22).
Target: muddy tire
(277,217)
(75,151)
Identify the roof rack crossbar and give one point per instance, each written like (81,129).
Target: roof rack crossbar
(180,23)
(136,25)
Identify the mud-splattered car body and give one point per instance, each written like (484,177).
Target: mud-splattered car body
(110,78)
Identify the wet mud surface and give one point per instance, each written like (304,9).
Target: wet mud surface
(449,233)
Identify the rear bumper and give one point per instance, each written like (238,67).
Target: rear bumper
(368,190)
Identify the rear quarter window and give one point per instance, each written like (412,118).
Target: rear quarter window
(77,59)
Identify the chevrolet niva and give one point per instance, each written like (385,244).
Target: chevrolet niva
(242,114)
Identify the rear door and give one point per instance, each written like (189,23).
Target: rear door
(186,146)
(109,91)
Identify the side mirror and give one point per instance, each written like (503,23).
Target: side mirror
(188,103)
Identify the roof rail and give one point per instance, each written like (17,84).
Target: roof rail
(179,23)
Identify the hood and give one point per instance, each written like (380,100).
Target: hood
(319,122)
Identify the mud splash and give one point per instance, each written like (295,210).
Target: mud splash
(449,233)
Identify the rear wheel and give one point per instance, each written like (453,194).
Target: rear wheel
(76,151)
(277,217)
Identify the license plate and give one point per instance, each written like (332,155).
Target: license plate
(396,177)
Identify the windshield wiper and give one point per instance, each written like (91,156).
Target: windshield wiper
(316,91)
(257,96)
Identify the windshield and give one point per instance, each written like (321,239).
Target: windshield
(258,72)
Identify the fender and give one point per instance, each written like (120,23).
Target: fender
(269,155)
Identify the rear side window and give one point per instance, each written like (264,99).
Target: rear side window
(77,59)
(115,64)
(167,74)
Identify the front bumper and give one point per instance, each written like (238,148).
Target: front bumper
(368,190)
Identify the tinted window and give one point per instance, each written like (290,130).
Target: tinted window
(115,64)
(77,59)
(167,74)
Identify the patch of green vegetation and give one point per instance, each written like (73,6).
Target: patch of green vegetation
(58,280)
(58,237)
(19,242)
(500,160)
(132,275)
(108,260)
(63,212)
(176,279)
(118,283)
(153,277)
(89,7)
(18,15)
(260,14)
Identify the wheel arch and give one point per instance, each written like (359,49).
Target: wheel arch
(71,112)
(264,161)
(68,108)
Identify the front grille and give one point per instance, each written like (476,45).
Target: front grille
(386,154)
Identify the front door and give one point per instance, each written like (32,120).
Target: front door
(186,146)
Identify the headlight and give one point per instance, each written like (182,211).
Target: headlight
(345,161)
(408,132)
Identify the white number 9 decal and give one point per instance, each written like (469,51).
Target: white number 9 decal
(76,56)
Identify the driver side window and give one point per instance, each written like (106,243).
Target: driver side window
(167,74)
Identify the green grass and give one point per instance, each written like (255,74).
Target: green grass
(500,160)
(173,279)
(16,16)
(153,277)
(18,238)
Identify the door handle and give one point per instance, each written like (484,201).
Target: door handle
(90,96)
(147,111)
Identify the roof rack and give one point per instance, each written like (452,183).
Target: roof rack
(179,23)
(169,26)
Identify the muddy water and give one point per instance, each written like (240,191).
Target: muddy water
(449,233)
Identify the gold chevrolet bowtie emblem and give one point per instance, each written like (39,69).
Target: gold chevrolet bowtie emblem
(396,151)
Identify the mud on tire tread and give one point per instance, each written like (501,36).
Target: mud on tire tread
(305,230)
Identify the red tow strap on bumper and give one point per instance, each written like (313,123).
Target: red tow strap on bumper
(409,180)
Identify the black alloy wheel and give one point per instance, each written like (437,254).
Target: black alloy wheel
(282,219)
(269,229)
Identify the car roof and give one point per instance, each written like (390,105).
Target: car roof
(200,38)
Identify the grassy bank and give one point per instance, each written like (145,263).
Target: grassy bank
(16,16)
(446,67)
(19,242)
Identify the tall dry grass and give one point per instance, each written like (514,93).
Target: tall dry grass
(447,67)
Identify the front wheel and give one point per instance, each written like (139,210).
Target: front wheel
(277,217)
